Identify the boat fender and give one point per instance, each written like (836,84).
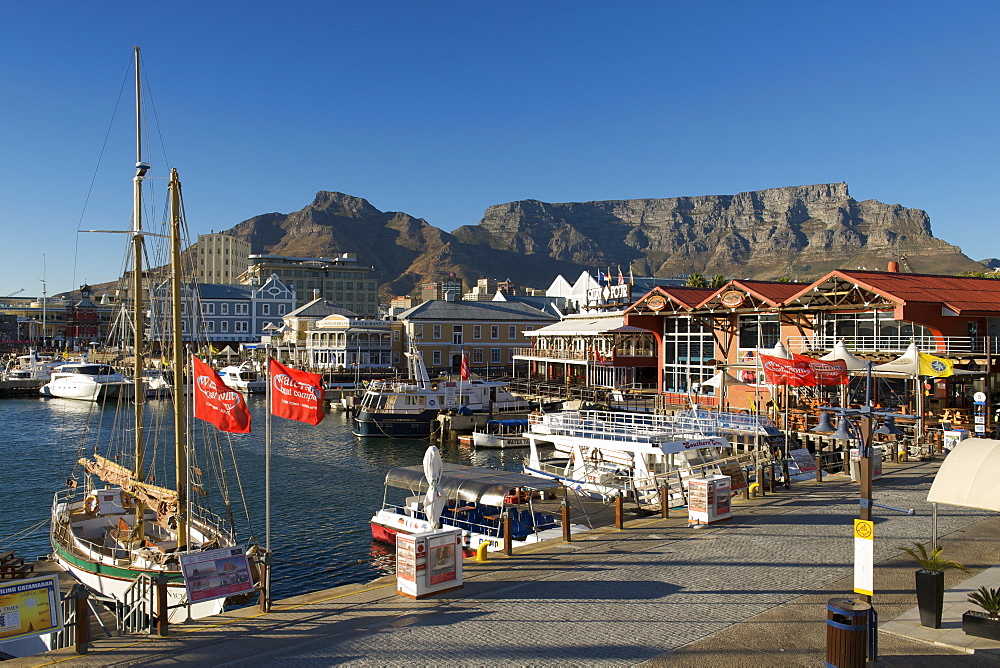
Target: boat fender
(90,504)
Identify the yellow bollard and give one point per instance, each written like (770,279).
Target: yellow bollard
(754,488)
(481,551)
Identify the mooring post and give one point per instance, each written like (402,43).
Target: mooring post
(819,466)
(664,502)
(82,640)
(508,534)
(620,512)
(162,612)
(565,519)
(784,471)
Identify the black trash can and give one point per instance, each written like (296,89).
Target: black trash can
(846,632)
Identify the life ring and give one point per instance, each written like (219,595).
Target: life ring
(91,504)
(596,455)
(431,403)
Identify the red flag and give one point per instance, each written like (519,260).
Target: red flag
(295,394)
(833,372)
(779,371)
(466,372)
(216,403)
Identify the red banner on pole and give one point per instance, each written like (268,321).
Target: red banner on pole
(779,371)
(466,372)
(216,403)
(825,372)
(295,394)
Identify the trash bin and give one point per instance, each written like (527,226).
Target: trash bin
(846,632)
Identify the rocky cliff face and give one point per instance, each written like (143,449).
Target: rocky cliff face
(799,232)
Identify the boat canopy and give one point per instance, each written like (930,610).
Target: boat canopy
(469,483)
(508,423)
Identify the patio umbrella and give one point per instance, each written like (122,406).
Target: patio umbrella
(907,364)
(433,500)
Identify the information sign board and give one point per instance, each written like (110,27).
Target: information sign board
(864,557)
(216,573)
(29,608)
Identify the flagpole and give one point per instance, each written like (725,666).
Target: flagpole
(267,482)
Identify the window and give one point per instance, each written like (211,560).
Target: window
(241,327)
(265,309)
(210,326)
(511,332)
(477,355)
(457,334)
(224,326)
(224,309)
(759,331)
(208,309)
(281,309)
(495,356)
(436,358)
(477,331)
(418,331)
(241,309)
(436,332)
(494,331)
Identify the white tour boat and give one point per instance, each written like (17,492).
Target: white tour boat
(86,381)
(477,498)
(501,434)
(243,378)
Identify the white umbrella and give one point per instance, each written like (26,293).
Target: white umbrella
(840,352)
(717,380)
(434,500)
(777,351)
(907,364)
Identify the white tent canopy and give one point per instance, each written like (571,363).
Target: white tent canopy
(840,352)
(720,376)
(968,476)
(908,364)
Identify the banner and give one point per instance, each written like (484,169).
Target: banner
(216,403)
(295,394)
(466,374)
(833,372)
(935,366)
(779,371)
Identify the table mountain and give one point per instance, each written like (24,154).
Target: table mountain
(797,232)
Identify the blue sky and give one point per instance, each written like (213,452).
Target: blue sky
(441,109)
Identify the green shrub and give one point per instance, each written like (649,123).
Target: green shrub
(987,598)
(933,561)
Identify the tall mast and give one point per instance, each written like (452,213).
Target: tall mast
(137,344)
(180,426)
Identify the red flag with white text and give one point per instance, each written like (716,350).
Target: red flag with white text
(466,372)
(779,371)
(825,372)
(295,394)
(216,403)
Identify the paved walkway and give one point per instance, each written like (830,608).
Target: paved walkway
(747,592)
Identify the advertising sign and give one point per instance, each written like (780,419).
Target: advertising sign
(216,574)
(803,460)
(29,608)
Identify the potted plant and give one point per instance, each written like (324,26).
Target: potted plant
(930,582)
(983,624)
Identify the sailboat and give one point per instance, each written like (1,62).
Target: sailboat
(116,525)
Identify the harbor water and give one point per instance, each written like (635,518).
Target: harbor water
(325,485)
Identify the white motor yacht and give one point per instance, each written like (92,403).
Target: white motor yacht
(87,382)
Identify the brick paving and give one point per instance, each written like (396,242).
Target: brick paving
(750,591)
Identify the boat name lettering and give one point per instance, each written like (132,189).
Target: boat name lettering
(703,443)
(292,388)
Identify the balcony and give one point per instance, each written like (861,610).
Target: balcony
(895,344)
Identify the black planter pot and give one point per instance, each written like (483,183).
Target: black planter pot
(930,597)
(979,624)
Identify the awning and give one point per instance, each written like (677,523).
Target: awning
(468,483)
(585,327)
(968,476)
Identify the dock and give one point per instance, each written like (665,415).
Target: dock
(750,591)
(19,388)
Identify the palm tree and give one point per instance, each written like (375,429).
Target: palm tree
(717,281)
(696,280)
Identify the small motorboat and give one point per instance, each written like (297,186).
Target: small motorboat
(501,434)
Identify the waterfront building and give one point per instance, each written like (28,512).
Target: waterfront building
(340,342)
(486,332)
(220,258)
(229,314)
(83,324)
(341,280)
(449,288)
(289,338)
